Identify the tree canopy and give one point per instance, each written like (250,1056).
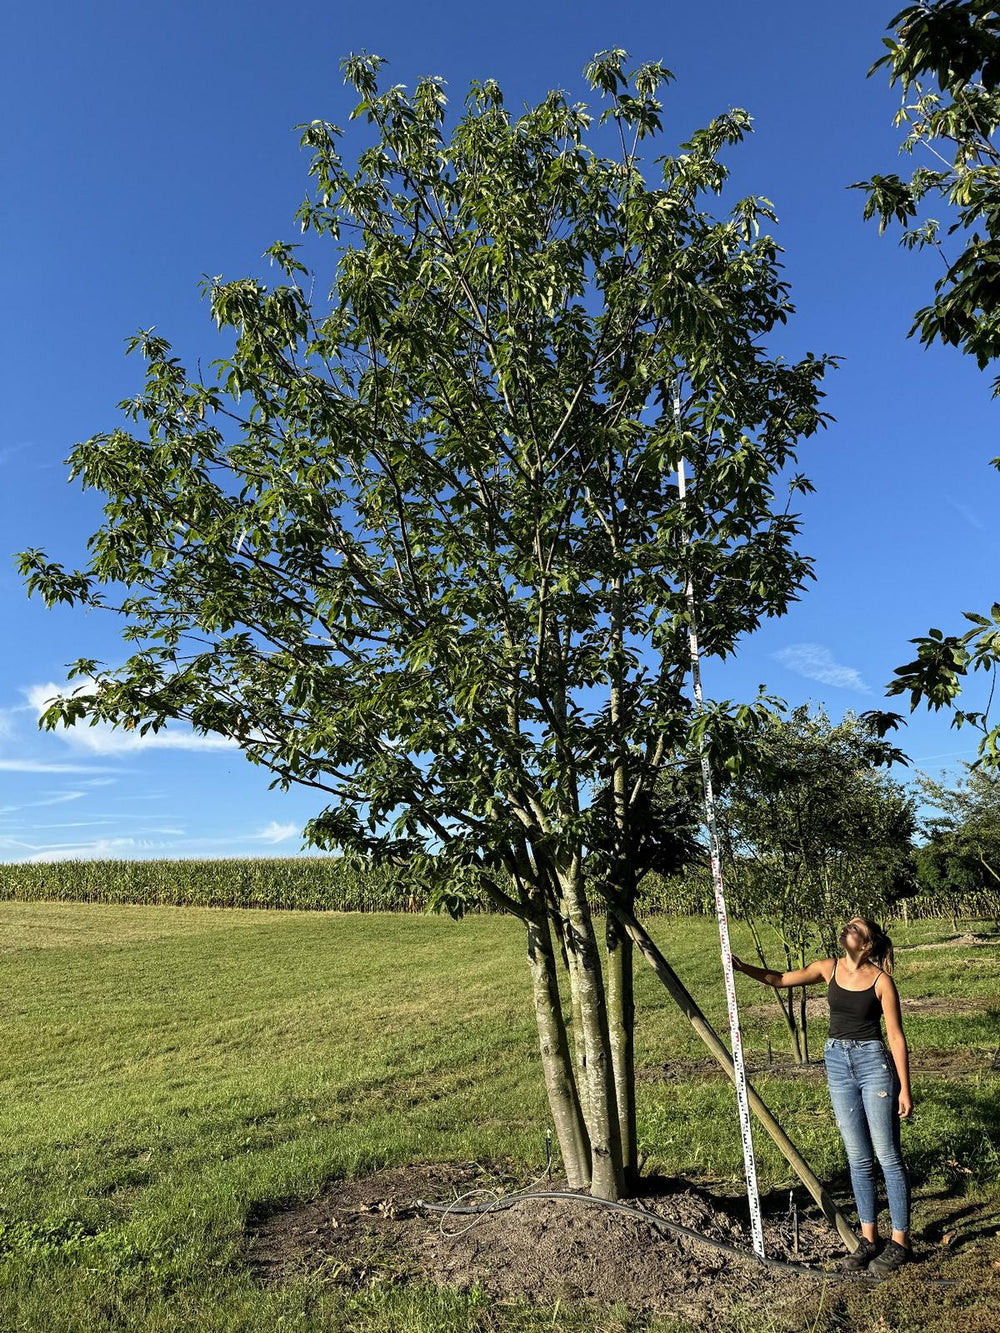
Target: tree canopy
(961,859)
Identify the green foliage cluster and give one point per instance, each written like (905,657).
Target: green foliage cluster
(944,56)
(689,892)
(942,892)
(418,542)
(817,830)
(950,131)
(959,865)
(305,884)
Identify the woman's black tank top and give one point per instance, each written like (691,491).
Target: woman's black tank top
(855,1015)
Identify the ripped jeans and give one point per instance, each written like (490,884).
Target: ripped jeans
(864,1090)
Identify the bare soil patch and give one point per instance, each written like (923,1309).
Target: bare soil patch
(966,940)
(818,1006)
(539,1250)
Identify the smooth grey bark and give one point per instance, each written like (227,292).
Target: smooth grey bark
(711,1038)
(579,1043)
(557,1064)
(621,1032)
(587,979)
(620,989)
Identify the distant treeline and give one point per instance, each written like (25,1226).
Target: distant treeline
(691,894)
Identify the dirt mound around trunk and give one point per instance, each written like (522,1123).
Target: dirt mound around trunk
(540,1250)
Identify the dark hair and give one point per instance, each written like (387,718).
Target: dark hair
(880,951)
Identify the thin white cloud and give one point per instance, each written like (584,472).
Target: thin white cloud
(967,753)
(816,662)
(57,798)
(8,451)
(275,832)
(973,519)
(111,818)
(43,766)
(69,823)
(102,739)
(101,849)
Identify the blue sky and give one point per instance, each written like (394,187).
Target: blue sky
(146,146)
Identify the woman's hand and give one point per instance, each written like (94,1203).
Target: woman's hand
(737,963)
(905,1105)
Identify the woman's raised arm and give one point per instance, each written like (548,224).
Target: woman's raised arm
(820,970)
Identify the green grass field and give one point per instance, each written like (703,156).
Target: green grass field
(167,1071)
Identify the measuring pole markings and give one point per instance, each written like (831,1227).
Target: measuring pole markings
(736,1039)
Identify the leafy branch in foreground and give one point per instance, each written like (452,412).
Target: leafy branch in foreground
(952,126)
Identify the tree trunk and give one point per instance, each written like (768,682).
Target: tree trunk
(714,1043)
(621,1030)
(557,1065)
(579,1041)
(803,1015)
(621,991)
(787,1008)
(797,1034)
(586,977)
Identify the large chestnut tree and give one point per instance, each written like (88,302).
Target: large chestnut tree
(416,541)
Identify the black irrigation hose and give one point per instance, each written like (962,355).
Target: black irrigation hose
(802,1270)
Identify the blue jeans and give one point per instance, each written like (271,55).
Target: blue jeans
(864,1090)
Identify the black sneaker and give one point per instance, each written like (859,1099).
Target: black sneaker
(892,1257)
(861,1257)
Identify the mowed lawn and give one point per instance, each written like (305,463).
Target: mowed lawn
(167,1072)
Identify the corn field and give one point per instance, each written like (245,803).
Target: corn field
(315,884)
(332,884)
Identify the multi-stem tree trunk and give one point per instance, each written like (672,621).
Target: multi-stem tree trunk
(587,980)
(564,1102)
(621,1031)
(787,1006)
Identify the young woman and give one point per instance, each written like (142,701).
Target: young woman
(870,1094)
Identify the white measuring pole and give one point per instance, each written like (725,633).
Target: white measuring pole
(749,1164)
